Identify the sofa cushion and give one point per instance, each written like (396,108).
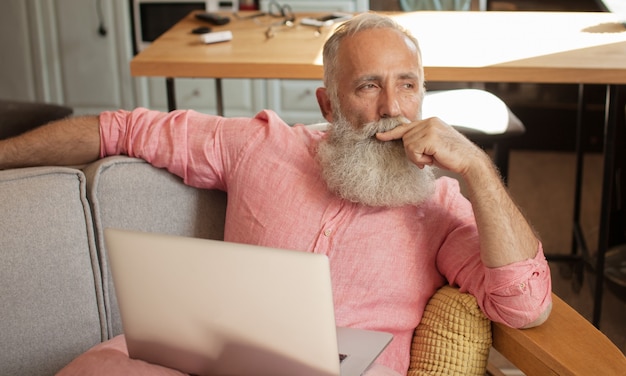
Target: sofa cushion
(129,193)
(52,304)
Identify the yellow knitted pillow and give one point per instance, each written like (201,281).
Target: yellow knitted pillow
(453,338)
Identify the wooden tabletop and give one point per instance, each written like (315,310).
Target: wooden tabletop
(546,47)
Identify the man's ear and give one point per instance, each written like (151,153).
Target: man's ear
(324,102)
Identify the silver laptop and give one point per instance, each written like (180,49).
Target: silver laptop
(209,307)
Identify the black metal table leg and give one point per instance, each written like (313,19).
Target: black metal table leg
(579,259)
(171,93)
(574,262)
(577,235)
(610,127)
(218,97)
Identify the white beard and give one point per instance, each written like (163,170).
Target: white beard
(359,168)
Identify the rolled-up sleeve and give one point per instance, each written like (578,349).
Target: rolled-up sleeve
(518,293)
(515,294)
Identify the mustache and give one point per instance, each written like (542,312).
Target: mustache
(370,129)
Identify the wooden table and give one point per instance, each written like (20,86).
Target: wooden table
(545,47)
(525,47)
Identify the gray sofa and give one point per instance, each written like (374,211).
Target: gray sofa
(57,298)
(56,291)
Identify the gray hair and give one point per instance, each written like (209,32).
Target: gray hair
(363,21)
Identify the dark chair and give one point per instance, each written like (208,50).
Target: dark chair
(18,117)
(481,116)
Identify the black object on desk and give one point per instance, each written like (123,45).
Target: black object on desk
(213,18)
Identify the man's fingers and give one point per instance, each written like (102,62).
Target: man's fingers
(423,160)
(396,133)
(389,135)
(417,154)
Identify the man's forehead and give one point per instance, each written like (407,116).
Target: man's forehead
(372,46)
(379,40)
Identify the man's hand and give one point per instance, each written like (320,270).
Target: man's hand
(505,235)
(433,142)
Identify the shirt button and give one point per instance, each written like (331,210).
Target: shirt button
(327,232)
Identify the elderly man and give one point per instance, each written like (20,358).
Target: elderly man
(362,193)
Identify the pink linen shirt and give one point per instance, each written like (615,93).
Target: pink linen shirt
(386,263)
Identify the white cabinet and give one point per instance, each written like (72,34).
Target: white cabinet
(242,97)
(17,71)
(53,52)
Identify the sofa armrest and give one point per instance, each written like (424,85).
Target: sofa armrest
(566,344)
(50,287)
